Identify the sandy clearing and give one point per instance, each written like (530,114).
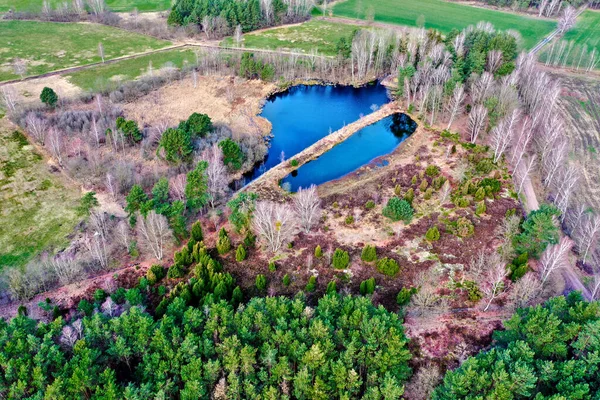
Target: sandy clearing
(29,91)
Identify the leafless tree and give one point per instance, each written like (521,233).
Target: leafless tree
(502,134)
(216,173)
(482,87)
(493,284)
(154,233)
(101,51)
(109,307)
(112,186)
(455,104)
(565,184)
(494,60)
(522,174)
(524,291)
(97,246)
(9,98)
(37,127)
(275,223)
(122,234)
(594,286)
(554,258)
(177,187)
(237,36)
(68,336)
(55,145)
(445,192)
(19,67)
(567,19)
(477,121)
(97,6)
(79,7)
(521,141)
(308,207)
(64,266)
(590,231)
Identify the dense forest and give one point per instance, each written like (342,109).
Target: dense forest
(221,17)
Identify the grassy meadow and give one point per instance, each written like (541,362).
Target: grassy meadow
(48,46)
(444,16)
(111,75)
(37,211)
(314,34)
(114,5)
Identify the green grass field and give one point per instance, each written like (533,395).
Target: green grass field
(319,35)
(581,41)
(444,16)
(36,211)
(47,46)
(114,5)
(111,75)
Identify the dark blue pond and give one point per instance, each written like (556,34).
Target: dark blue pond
(359,149)
(304,114)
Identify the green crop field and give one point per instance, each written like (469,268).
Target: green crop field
(48,46)
(110,75)
(114,5)
(579,47)
(444,16)
(37,211)
(319,35)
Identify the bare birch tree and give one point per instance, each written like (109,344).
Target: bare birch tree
(55,145)
(455,104)
(216,172)
(502,134)
(308,207)
(524,291)
(274,223)
(554,258)
(493,284)
(9,99)
(567,19)
(494,61)
(97,6)
(477,121)
(37,127)
(154,233)
(101,51)
(177,187)
(590,231)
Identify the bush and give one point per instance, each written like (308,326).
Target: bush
(134,297)
(99,296)
(479,194)
(349,220)
(49,97)
(261,282)
(473,292)
(286,280)
(318,252)
(311,285)
(464,227)
(196,232)
(369,253)
(397,209)
(410,195)
(341,259)
(85,307)
(494,185)
(481,208)
(369,205)
(388,266)
(155,273)
(367,286)
(118,296)
(232,154)
(223,243)
(539,230)
(485,166)
(176,271)
(404,295)
(272,266)
(462,202)
(428,194)
(519,267)
(250,240)
(331,288)
(438,182)
(433,234)
(240,253)
(294,163)
(424,185)
(432,171)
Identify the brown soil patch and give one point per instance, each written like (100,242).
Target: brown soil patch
(29,91)
(231,101)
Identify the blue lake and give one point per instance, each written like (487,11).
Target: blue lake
(359,149)
(304,114)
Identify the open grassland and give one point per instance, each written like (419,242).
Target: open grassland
(37,211)
(320,35)
(47,46)
(109,76)
(580,47)
(114,5)
(444,16)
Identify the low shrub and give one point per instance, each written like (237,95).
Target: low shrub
(410,195)
(312,284)
(349,220)
(481,208)
(331,288)
(341,259)
(369,253)
(398,209)
(286,280)
(155,274)
(272,266)
(433,234)
(318,251)
(404,295)
(223,243)
(369,205)
(240,253)
(518,267)
(261,282)
(367,286)
(464,227)
(473,292)
(479,194)
(424,185)
(432,171)
(492,183)
(388,266)
(176,271)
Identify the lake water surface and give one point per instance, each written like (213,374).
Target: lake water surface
(359,149)
(304,114)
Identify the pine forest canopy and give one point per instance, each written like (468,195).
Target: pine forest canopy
(225,15)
